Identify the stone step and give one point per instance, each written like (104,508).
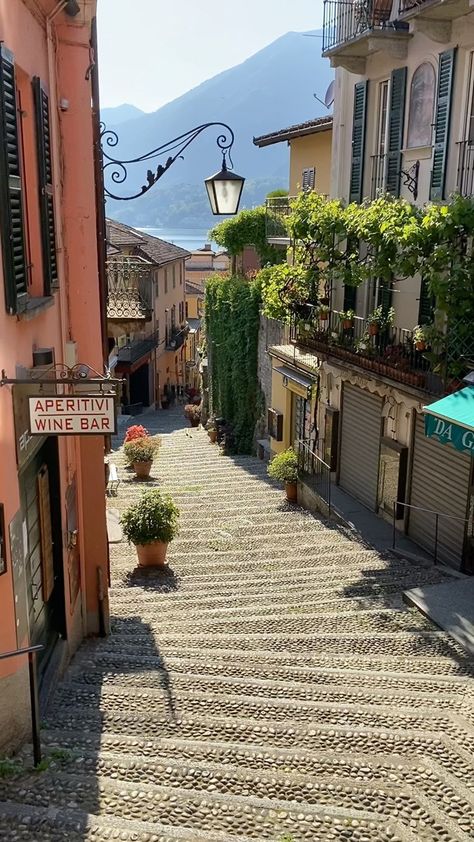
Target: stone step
(26,823)
(370,643)
(434,664)
(166,701)
(363,622)
(274,667)
(346,740)
(207,591)
(276,687)
(129,805)
(88,781)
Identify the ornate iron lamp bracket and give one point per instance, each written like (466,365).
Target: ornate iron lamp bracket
(410,179)
(117,169)
(63,375)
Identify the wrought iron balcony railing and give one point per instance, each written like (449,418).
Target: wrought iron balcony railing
(389,353)
(138,348)
(175,338)
(129,290)
(465,173)
(346,20)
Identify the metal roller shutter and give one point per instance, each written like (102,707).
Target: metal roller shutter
(440,481)
(360,444)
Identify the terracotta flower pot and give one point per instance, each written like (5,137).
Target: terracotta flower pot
(323,317)
(420,346)
(142,469)
(151,555)
(373,330)
(212,436)
(291,492)
(347,324)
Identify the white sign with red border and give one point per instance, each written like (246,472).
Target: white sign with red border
(72,415)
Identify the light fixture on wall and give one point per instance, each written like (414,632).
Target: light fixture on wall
(224,189)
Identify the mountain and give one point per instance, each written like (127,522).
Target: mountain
(120,114)
(270,90)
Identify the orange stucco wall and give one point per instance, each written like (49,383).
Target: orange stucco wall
(70,323)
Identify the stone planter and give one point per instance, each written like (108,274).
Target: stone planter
(142,469)
(194,422)
(212,436)
(152,555)
(291,489)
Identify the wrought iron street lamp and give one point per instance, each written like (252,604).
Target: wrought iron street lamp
(224,189)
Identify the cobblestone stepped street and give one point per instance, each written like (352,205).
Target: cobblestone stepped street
(270,685)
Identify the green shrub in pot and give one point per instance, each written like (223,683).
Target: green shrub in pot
(151,523)
(284,468)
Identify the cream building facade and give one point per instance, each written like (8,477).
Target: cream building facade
(403,124)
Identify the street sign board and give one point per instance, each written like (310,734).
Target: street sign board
(72,415)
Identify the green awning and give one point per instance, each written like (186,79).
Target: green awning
(451,420)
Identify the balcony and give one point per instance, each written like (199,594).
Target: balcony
(175,338)
(129,290)
(354,30)
(465,173)
(433,17)
(276,212)
(137,349)
(390,353)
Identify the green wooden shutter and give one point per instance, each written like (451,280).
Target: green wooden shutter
(45,178)
(442,122)
(11,197)
(426,305)
(396,121)
(358,141)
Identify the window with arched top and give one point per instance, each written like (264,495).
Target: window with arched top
(422,97)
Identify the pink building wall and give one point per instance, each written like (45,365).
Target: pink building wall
(68,321)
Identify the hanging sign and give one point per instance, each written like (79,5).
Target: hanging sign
(72,415)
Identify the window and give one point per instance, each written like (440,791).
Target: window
(24,122)
(420,116)
(382,118)
(174,276)
(308,179)
(379,160)
(166,281)
(12,226)
(181,274)
(187,310)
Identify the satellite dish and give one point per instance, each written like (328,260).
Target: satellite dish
(329,98)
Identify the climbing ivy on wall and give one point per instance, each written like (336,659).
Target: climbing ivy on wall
(248,228)
(232,325)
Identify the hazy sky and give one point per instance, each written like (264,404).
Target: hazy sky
(151,51)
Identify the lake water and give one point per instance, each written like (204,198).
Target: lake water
(187,238)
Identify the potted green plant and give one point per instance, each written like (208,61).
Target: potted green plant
(140,453)
(380,319)
(150,524)
(284,468)
(323,313)
(211,431)
(347,319)
(420,337)
(193,414)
